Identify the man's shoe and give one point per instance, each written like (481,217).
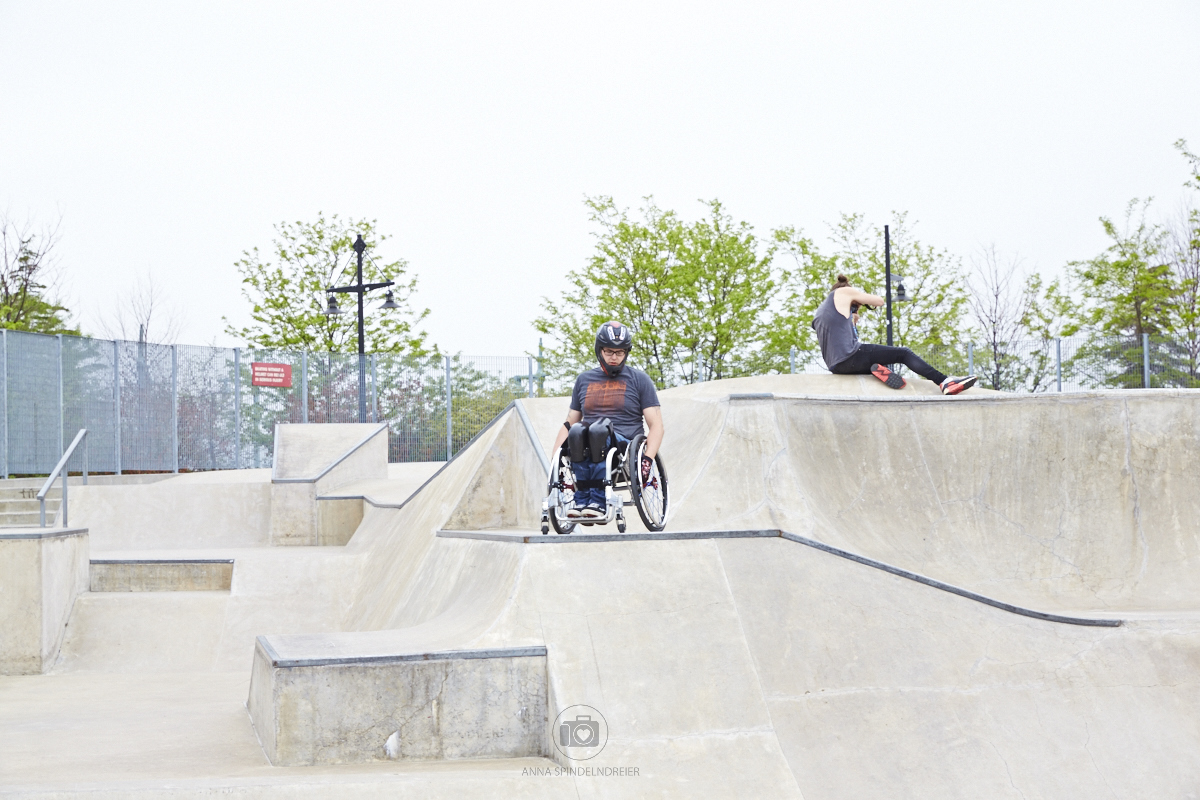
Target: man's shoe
(884,374)
(593,511)
(575,512)
(955,385)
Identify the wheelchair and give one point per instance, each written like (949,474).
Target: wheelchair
(622,474)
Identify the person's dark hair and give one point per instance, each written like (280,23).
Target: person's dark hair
(842,282)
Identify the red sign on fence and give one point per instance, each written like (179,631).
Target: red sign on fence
(278,375)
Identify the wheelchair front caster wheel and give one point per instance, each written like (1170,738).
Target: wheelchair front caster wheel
(621,526)
(545,529)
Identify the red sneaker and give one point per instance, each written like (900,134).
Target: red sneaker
(884,374)
(955,385)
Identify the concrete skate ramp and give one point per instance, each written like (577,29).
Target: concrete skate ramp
(1069,502)
(731,667)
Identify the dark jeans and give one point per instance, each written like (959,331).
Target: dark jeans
(859,363)
(587,471)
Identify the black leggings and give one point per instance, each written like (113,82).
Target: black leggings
(860,361)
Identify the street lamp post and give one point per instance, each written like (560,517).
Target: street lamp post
(361,290)
(901,294)
(887,278)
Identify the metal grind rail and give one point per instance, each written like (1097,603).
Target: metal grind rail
(61,468)
(523,537)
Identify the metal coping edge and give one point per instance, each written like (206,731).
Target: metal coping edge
(637,536)
(996,397)
(382,426)
(532,651)
(162,561)
(46,533)
(535,538)
(449,461)
(537,446)
(948,587)
(366,498)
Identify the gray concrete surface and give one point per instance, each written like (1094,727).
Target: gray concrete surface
(724,667)
(42,572)
(313,460)
(402,706)
(230,508)
(161,575)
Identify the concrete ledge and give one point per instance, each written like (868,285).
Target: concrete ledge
(191,575)
(446,704)
(524,537)
(39,533)
(42,571)
(310,461)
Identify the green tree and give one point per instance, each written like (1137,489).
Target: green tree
(633,276)
(933,322)
(287,291)
(695,295)
(1182,251)
(27,301)
(1127,288)
(805,277)
(724,297)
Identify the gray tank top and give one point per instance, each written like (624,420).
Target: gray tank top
(836,333)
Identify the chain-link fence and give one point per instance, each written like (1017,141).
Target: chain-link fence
(1069,364)
(163,408)
(1078,363)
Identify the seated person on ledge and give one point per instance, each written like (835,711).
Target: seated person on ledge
(619,393)
(836,325)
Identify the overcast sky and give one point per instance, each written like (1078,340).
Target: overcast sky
(172,136)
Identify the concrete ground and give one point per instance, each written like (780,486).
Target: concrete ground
(750,667)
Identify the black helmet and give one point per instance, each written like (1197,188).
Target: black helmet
(615,336)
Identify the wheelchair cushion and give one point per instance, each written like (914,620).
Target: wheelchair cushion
(577,442)
(599,436)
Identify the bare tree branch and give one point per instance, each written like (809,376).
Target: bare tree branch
(29,277)
(144,314)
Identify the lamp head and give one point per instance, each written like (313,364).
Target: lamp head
(389,302)
(332,309)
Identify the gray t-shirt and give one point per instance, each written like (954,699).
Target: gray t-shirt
(837,334)
(622,399)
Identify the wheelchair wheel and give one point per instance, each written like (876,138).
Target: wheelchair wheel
(649,497)
(561,502)
(560,527)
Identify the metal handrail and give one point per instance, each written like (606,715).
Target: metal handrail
(60,468)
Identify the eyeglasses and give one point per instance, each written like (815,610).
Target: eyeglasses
(610,353)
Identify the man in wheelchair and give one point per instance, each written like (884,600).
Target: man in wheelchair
(608,405)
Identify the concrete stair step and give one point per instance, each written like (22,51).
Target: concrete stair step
(24,518)
(27,493)
(25,506)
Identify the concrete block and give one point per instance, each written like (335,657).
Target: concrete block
(311,460)
(196,575)
(337,520)
(406,706)
(42,571)
(221,509)
(294,514)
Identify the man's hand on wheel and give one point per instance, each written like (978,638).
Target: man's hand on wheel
(647,463)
